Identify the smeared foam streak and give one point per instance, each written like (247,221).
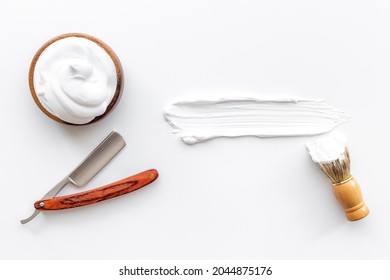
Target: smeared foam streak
(200,120)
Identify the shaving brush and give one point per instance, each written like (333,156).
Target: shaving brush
(332,155)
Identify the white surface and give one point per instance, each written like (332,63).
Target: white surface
(240,198)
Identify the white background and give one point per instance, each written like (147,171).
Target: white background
(244,198)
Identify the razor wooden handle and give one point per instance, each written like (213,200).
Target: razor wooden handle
(349,195)
(112,190)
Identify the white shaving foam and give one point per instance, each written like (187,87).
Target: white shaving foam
(327,148)
(75,79)
(200,120)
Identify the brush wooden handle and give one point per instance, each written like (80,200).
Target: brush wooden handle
(115,189)
(349,195)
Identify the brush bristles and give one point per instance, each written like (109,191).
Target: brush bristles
(338,170)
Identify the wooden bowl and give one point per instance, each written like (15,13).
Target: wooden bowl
(119,74)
